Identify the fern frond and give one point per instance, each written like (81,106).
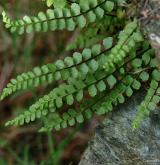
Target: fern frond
(69,93)
(59,19)
(65,92)
(34,78)
(127,42)
(149,104)
(71,117)
(100,105)
(85,39)
(89,61)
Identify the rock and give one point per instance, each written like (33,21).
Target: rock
(149,13)
(115,143)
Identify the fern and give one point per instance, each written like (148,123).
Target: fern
(59,19)
(66,92)
(127,42)
(95,32)
(90,60)
(148,104)
(86,38)
(97,78)
(100,105)
(86,111)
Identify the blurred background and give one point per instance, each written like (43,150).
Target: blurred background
(24,145)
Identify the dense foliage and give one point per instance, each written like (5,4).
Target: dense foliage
(112,60)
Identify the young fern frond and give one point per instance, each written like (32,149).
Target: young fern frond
(59,19)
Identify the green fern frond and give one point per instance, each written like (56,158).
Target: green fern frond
(85,39)
(127,42)
(34,78)
(71,92)
(100,105)
(55,99)
(89,61)
(149,104)
(59,19)
(86,111)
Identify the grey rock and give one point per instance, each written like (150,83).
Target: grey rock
(115,143)
(149,13)
(149,16)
